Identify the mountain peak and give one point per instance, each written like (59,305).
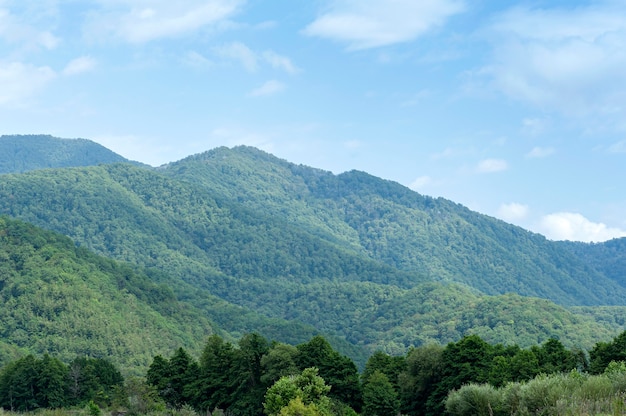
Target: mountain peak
(22,153)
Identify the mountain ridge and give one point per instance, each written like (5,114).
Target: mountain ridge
(22,153)
(348,255)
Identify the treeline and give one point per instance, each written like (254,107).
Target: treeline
(34,383)
(255,377)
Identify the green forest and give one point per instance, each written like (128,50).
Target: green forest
(235,282)
(257,377)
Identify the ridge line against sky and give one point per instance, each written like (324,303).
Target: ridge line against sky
(514,109)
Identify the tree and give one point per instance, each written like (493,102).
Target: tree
(158,375)
(52,383)
(554,358)
(248,390)
(142,398)
(93,379)
(18,385)
(296,407)
(308,386)
(604,352)
(182,369)
(379,396)
(338,370)
(279,361)
(214,386)
(424,366)
(390,366)
(468,360)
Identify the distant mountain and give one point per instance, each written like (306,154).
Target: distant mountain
(388,222)
(21,153)
(254,242)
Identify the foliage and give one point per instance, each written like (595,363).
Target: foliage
(556,394)
(470,376)
(66,301)
(308,388)
(31,383)
(379,396)
(432,372)
(401,228)
(603,353)
(239,240)
(21,153)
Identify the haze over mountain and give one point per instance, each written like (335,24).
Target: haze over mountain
(253,242)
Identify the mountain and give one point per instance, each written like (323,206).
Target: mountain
(68,302)
(391,224)
(21,153)
(253,242)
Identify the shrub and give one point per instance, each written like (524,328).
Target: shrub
(476,400)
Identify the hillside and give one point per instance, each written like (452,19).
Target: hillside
(390,223)
(257,243)
(21,153)
(66,301)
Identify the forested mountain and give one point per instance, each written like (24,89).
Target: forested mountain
(66,301)
(21,153)
(403,229)
(255,243)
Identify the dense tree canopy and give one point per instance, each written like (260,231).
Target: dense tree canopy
(240,379)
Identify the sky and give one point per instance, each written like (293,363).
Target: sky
(515,109)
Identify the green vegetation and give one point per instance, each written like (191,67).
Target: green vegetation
(21,153)
(255,377)
(241,241)
(235,240)
(403,229)
(558,394)
(65,301)
(30,383)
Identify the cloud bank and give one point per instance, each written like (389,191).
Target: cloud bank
(568,60)
(575,227)
(141,21)
(364,24)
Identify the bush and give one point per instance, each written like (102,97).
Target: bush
(476,400)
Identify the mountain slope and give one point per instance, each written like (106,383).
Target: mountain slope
(401,228)
(254,270)
(66,301)
(21,153)
(608,257)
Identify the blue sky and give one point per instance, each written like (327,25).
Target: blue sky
(514,109)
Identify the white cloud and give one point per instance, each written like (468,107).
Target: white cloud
(618,147)
(19,81)
(575,227)
(513,212)
(269,88)
(363,24)
(237,51)
(492,165)
(535,126)
(14,30)
(140,21)
(540,152)
(196,60)
(569,60)
(421,182)
(79,65)
(280,62)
